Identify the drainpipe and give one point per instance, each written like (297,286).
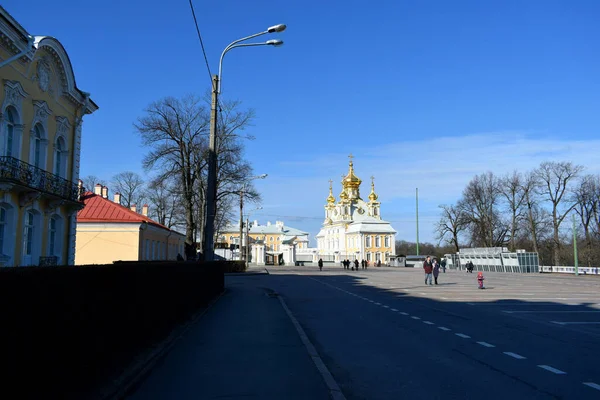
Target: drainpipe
(30,40)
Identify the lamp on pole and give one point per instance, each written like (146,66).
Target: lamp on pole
(211,198)
(242,192)
(248,233)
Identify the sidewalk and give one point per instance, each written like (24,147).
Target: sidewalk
(244,347)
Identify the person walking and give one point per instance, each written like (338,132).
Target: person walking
(428,268)
(320,264)
(356,264)
(436,270)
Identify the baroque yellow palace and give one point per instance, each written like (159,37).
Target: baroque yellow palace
(353,228)
(41,113)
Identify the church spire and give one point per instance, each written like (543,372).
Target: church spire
(373,196)
(330,198)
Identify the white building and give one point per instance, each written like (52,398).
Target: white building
(353,228)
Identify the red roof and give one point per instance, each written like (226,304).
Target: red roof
(99,209)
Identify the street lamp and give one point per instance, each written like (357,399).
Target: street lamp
(242,192)
(211,199)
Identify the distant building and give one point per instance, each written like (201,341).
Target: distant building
(270,240)
(353,228)
(41,114)
(108,232)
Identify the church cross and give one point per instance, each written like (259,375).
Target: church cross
(372,179)
(350,157)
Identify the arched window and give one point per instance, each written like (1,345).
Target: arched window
(55,237)
(32,237)
(36,146)
(28,234)
(10,133)
(368,244)
(60,157)
(2,228)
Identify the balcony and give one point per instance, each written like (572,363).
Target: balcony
(24,177)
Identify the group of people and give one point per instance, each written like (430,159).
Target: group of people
(432,268)
(352,265)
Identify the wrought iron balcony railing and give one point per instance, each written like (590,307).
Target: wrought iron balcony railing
(19,172)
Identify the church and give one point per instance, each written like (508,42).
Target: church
(353,228)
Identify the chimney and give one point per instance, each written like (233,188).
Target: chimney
(105,192)
(145,210)
(98,189)
(118,198)
(133,208)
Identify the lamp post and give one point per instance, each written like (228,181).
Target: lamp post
(242,192)
(211,198)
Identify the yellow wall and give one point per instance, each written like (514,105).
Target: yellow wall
(105,243)
(270,239)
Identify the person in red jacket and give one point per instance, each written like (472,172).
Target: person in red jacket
(428,268)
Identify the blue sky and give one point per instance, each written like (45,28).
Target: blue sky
(423,93)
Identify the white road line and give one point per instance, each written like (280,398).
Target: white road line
(428,322)
(486,344)
(514,355)
(386,306)
(546,311)
(443,328)
(413,317)
(403,313)
(576,322)
(462,335)
(393,309)
(377,304)
(592,385)
(552,369)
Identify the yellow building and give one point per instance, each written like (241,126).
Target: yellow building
(108,232)
(353,228)
(41,112)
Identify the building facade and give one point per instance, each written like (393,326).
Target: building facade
(108,232)
(353,228)
(264,240)
(41,115)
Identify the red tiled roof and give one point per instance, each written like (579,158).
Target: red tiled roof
(99,209)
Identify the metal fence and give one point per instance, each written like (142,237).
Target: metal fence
(494,260)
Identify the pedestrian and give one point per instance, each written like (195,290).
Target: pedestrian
(356,264)
(428,268)
(436,270)
(379,263)
(320,264)
(363,264)
(443,265)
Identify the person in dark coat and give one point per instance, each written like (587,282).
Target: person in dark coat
(320,264)
(436,270)
(428,268)
(356,264)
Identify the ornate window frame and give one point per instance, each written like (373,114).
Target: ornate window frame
(13,98)
(40,118)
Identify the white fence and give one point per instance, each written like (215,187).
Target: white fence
(570,270)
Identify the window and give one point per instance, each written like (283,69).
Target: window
(377,241)
(368,256)
(387,241)
(28,233)
(10,132)
(52,237)
(60,158)
(37,146)
(2,228)
(368,244)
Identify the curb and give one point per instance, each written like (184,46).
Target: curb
(140,368)
(334,390)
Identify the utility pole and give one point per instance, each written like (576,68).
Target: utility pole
(248,240)
(417,221)
(211,191)
(241,220)
(575,248)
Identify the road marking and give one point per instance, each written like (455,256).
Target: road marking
(462,335)
(546,311)
(413,317)
(403,313)
(592,385)
(428,322)
(378,304)
(514,355)
(471,304)
(443,328)
(552,369)
(393,309)
(386,306)
(486,344)
(576,322)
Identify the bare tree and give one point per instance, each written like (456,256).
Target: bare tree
(90,181)
(131,187)
(163,201)
(479,207)
(586,204)
(555,179)
(451,224)
(511,187)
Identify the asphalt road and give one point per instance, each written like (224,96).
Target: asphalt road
(383,334)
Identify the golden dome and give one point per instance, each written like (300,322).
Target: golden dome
(330,198)
(372,196)
(351,180)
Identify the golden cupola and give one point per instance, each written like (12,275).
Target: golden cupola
(373,196)
(351,180)
(330,198)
